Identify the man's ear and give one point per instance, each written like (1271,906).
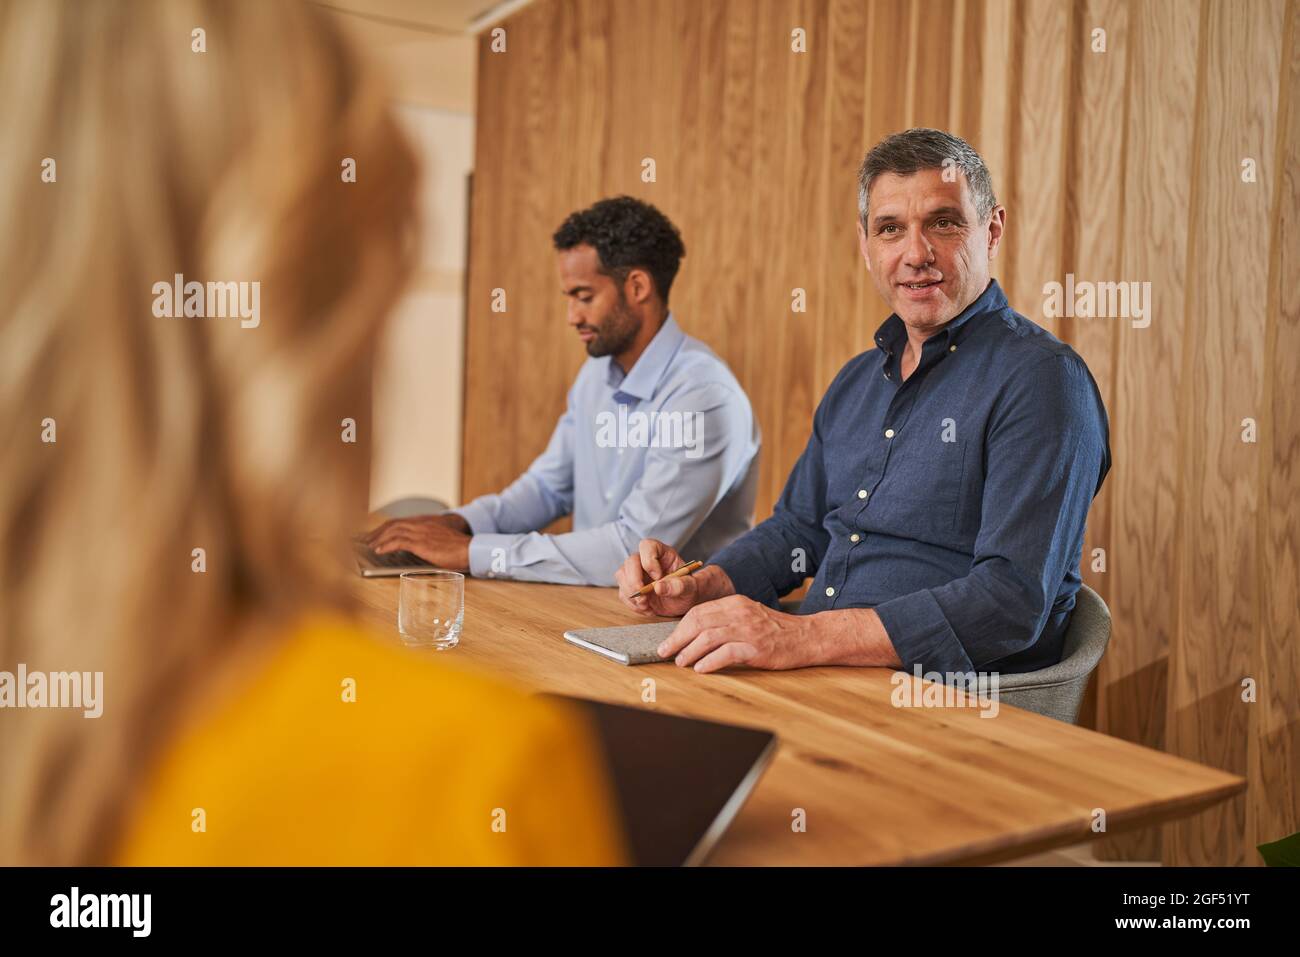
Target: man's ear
(638,287)
(997,223)
(862,245)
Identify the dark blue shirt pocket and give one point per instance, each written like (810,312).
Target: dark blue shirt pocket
(923,484)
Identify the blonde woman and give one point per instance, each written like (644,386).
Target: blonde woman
(138,150)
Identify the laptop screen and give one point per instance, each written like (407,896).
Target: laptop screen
(678,781)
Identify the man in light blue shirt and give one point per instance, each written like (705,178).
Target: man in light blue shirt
(657,439)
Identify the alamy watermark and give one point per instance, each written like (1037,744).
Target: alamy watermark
(1098,300)
(54,689)
(652,430)
(949,689)
(213,300)
(75,909)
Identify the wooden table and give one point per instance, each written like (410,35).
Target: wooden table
(878,784)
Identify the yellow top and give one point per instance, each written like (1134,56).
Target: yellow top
(427,765)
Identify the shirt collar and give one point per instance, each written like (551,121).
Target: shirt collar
(649,368)
(891,334)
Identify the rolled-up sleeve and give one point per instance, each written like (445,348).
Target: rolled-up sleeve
(678,488)
(1046,455)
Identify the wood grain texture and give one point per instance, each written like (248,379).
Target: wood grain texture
(1142,586)
(889,62)
(1036,198)
(841,335)
(803,199)
(879,784)
(1274,768)
(1122,166)
(1227,280)
(1092,241)
(967,97)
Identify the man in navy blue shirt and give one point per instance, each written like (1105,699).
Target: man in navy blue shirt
(941,499)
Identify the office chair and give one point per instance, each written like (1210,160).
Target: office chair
(408,507)
(1057,691)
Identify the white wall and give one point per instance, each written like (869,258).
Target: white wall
(430,68)
(420,366)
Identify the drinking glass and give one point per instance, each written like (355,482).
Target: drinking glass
(431,609)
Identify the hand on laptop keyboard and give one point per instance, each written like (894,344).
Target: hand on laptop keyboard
(391,559)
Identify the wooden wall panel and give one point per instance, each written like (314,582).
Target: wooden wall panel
(889,63)
(702,163)
(966,97)
(488,453)
(1145,424)
(806,138)
(1223,370)
(770,260)
(1122,166)
(1093,235)
(841,335)
(998,83)
(1275,729)
(1036,198)
(730,274)
(930,89)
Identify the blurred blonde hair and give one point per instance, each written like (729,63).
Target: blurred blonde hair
(174,433)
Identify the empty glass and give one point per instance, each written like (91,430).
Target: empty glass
(431,609)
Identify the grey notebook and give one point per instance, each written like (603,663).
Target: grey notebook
(628,644)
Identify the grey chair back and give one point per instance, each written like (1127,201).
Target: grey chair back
(410,507)
(1057,691)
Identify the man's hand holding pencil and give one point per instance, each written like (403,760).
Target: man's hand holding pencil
(658,581)
(721,629)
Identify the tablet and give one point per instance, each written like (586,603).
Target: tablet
(679,782)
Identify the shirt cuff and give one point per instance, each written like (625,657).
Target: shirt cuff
(478,516)
(488,555)
(921,634)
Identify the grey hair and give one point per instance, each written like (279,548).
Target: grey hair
(923,148)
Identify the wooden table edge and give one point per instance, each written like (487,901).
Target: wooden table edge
(998,850)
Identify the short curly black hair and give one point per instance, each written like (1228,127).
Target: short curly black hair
(627,234)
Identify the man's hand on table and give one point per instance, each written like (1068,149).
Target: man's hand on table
(441,540)
(722,628)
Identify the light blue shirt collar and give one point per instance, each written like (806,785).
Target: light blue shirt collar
(649,369)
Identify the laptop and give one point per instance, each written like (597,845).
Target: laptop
(679,782)
(389,565)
